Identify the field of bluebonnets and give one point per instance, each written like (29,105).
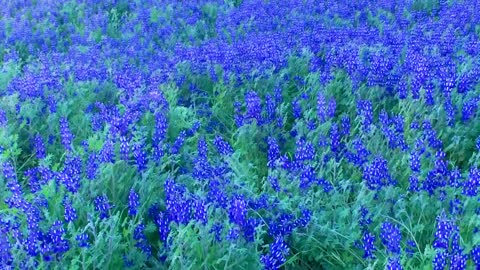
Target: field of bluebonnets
(240,134)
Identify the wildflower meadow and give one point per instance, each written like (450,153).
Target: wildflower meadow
(240,134)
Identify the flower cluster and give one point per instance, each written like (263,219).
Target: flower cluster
(239,134)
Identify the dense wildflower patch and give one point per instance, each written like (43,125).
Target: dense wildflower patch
(240,134)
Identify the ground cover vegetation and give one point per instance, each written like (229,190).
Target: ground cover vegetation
(255,134)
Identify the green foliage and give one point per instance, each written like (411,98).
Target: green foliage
(331,238)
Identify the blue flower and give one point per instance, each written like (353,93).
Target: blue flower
(277,256)
(345,123)
(142,242)
(273,152)
(70,212)
(305,151)
(271,107)
(200,211)
(334,138)
(202,148)
(377,174)
(304,219)
(391,237)
(282,225)
(297,109)
(163,224)
(39,147)
(440,260)
(217,231)
(415,164)
(365,218)
(222,146)
(413,179)
(140,156)
(3,118)
(133,202)
(368,241)
(91,169)
(56,238)
(307,177)
(470,187)
(66,135)
(6,258)
(102,205)
(475,253)
(107,154)
(321,107)
(232,234)
(238,210)
(175,149)
(34,180)
(161,127)
(394,264)
(253,106)
(365,110)
(444,231)
(9,172)
(82,240)
(124,148)
(274,183)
